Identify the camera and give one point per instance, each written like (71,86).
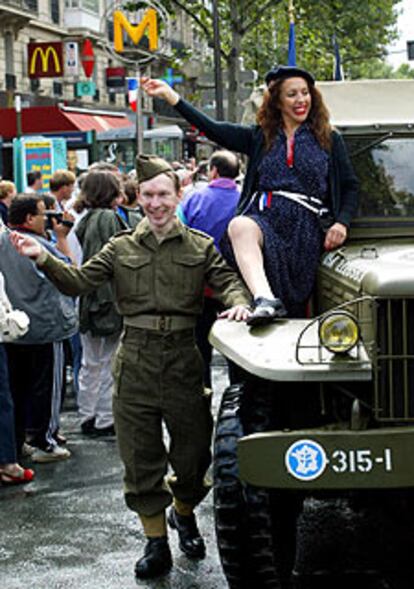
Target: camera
(59,219)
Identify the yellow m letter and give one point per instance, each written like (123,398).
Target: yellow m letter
(135,32)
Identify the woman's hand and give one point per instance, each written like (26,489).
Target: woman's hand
(25,245)
(236,313)
(159,89)
(335,236)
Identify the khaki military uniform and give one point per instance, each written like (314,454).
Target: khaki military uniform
(158,370)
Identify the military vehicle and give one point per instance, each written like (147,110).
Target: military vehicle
(314,468)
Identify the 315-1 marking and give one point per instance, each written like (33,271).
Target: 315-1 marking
(360,460)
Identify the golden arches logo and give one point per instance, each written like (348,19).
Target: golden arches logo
(135,32)
(45,55)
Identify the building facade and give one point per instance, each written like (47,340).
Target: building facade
(25,21)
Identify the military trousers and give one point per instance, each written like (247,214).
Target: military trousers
(158,379)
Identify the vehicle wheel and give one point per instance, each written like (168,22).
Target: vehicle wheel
(243,514)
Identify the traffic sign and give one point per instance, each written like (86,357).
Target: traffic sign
(88,58)
(87,88)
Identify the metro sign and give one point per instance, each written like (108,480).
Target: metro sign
(132,20)
(135,32)
(45,60)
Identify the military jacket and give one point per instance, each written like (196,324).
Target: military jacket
(153,277)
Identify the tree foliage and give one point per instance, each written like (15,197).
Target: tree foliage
(362,29)
(258,33)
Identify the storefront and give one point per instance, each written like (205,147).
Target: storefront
(79,127)
(118,146)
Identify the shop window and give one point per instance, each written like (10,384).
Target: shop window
(32,5)
(54,11)
(9,52)
(57,88)
(10,82)
(92,5)
(34,84)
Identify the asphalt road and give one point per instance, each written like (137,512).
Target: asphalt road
(70,528)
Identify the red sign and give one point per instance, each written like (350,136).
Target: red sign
(115,72)
(88,58)
(115,77)
(45,60)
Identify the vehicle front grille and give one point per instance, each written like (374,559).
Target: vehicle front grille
(394,365)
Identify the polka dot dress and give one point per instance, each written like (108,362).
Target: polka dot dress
(292,237)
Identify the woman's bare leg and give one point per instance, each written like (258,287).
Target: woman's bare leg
(247,240)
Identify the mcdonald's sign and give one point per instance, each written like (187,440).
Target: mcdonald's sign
(135,32)
(45,60)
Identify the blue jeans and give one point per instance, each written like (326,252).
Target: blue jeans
(7,435)
(76,345)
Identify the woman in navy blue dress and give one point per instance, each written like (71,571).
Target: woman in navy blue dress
(299,194)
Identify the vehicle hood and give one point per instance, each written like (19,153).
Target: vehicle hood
(384,269)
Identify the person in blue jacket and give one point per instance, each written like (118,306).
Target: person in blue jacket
(299,193)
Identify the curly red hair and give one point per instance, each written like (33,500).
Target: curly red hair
(269,116)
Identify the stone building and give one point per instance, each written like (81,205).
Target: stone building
(24,21)
(75,21)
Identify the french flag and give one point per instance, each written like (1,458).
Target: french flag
(133,93)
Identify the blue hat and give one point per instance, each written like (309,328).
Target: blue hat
(288,71)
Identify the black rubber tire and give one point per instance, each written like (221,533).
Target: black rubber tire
(243,524)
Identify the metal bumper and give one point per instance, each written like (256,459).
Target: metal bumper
(319,459)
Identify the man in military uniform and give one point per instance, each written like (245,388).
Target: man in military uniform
(158,273)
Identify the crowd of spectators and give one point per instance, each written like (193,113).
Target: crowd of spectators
(76,339)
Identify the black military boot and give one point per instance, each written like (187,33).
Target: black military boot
(191,542)
(156,561)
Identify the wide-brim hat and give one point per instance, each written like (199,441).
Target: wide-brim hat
(281,72)
(149,166)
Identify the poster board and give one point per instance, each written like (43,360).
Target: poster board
(37,153)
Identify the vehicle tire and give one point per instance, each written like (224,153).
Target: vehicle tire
(244,524)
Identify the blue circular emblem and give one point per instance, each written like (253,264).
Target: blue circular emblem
(305,460)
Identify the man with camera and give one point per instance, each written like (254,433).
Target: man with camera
(62,185)
(35,361)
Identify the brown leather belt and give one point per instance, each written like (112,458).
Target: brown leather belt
(160,322)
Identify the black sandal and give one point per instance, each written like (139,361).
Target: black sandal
(265,311)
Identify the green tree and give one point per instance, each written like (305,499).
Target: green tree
(362,29)
(258,32)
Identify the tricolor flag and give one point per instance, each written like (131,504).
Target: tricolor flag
(133,93)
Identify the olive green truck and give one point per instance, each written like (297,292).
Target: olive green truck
(314,449)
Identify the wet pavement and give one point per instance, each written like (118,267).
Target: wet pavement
(70,528)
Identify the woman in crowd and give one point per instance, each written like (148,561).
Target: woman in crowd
(299,193)
(11,473)
(100,324)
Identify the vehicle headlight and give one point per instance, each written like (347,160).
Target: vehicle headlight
(339,332)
